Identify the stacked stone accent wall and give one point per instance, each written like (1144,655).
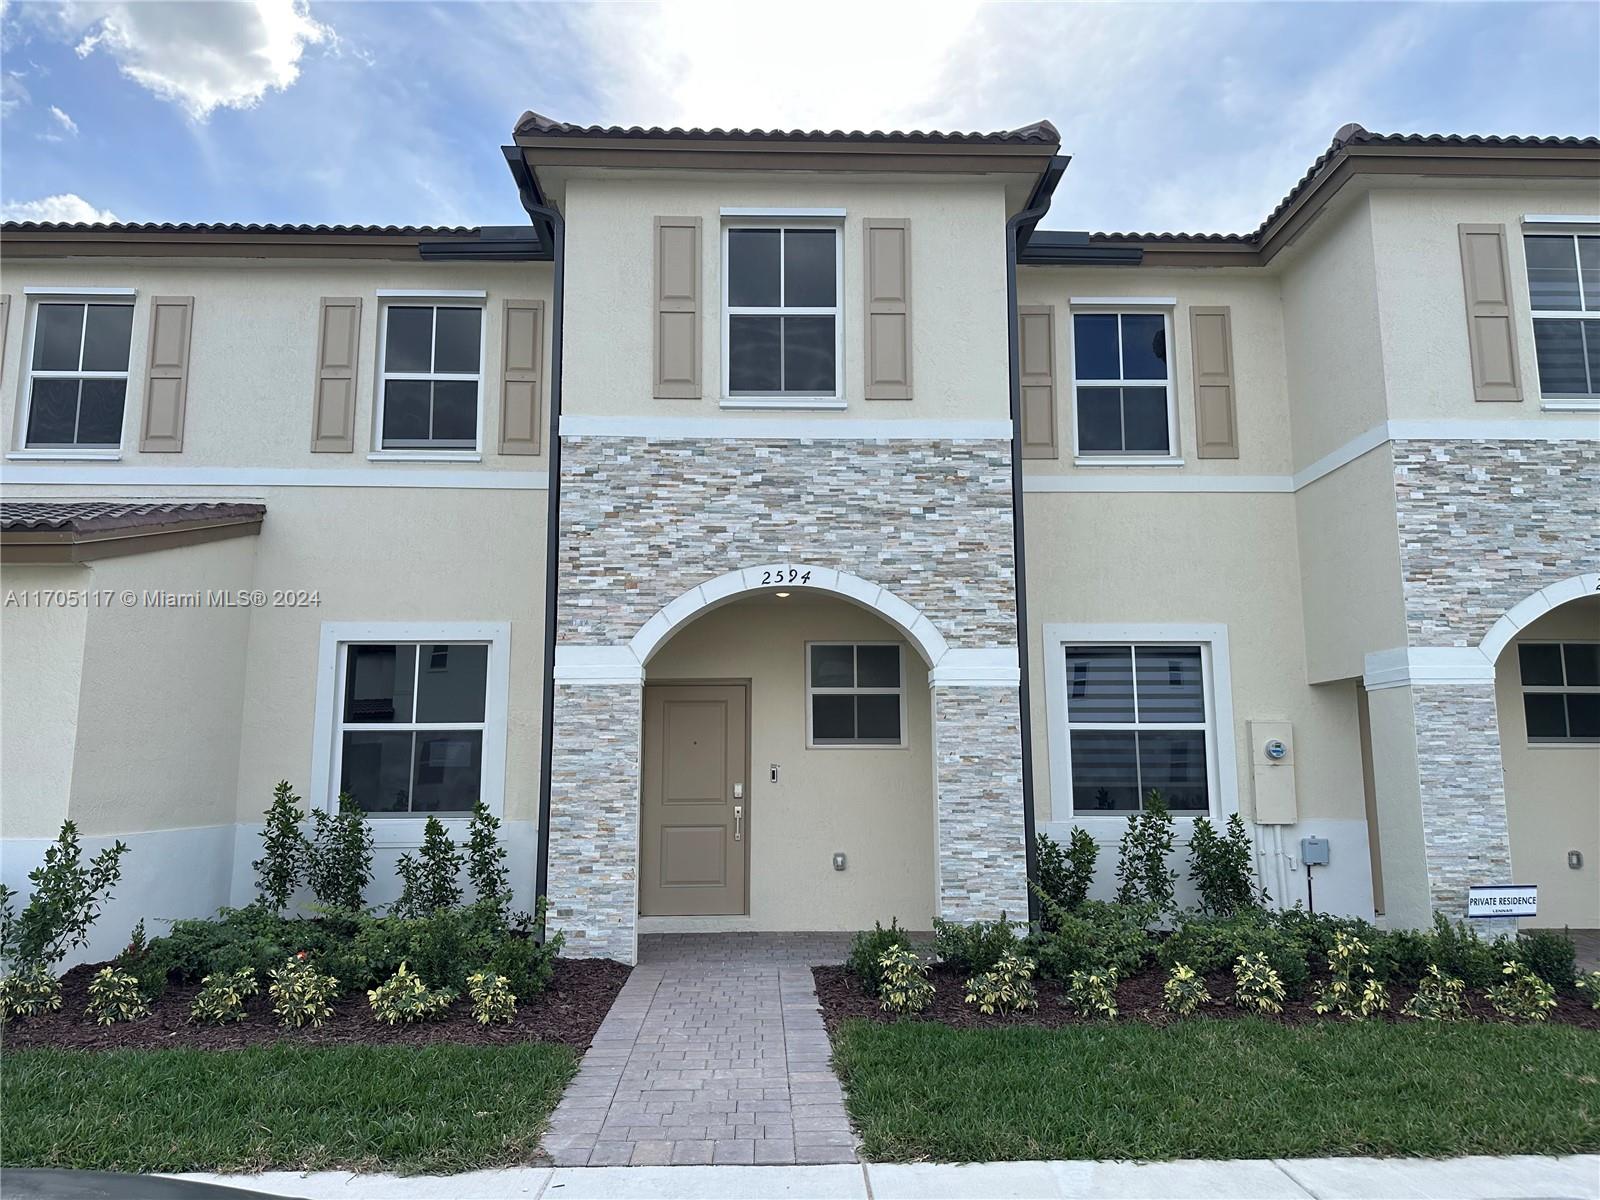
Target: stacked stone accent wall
(1466,838)
(978,774)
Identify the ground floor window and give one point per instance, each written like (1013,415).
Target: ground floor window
(1560,691)
(854,694)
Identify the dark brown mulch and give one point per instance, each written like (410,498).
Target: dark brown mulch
(1138,999)
(569,1011)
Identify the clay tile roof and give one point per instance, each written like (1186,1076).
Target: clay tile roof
(406,231)
(96,517)
(1040,133)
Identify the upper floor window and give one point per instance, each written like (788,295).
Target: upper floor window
(431,377)
(1122,383)
(1561,690)
(781,311)
(854,694)
(78,377)
(1564,287)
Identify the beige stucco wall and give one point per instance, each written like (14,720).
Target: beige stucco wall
(876,805)
(1552,791)
(959,356)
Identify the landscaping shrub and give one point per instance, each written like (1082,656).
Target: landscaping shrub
(867,950)
(1065,875)
(66,901)
(1143,876)
(525,961)
(428,879)
(339,863)
(1184,991)
(1354,991)
(486,860)
(1008,988)
(250,938)
(221,999)
(1439,998)
(1093,994)
(1209,944)
(1404,955)
(1522,995)
(1220,865)
(1098,935)
(405,998)
(976,947)
(1549,955)
(283,849)
(300,993)
(1257,987)
(1459,951)
(31,991)
(493,1001)
(904,986)
(1589,985)
(1318,933)
(114,996)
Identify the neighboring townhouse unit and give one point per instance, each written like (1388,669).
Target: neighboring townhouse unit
(781,529)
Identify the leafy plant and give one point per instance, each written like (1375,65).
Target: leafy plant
(486,860)
(221,998)
(1221,867)
(1008,988)
(974,947)
(283,849)
(1065,875)
(867,950)
(1256,986)
(1211,944)
(905,987)
(493,1001)
(31,991)
(526,961)
(1549,955)
(301,994)
(1093,994)
(1439,998)
(1354,991)
(1097,935)
(339,863)
(1184,991)
(66,901)
(1522,995)
(1143,876)
(1459,951)
(428,880)
(1589,985)
(114,996)
(405,998)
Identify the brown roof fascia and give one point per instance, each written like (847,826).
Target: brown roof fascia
(115,243)
(35,547)
(699,154)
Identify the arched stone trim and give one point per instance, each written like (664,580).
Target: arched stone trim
(1523,614)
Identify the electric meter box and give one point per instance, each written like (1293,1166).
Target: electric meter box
(1272,772)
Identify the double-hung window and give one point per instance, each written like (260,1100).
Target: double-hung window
(1564,289)
(1561,691)
(432,377)
(780,309)
(78,376)
(854,694)
(1122,384)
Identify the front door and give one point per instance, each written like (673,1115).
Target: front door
(695,800)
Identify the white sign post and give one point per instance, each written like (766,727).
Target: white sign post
(1503,900)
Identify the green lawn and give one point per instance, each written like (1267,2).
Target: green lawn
(406,1109)
(1239,1088)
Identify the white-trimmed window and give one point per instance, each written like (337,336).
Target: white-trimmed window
(430,385)
(78,374)
(1561,691)
(855,694)
(1122,384)
(1564,291)
(781,333)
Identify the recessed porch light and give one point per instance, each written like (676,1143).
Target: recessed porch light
(782,595)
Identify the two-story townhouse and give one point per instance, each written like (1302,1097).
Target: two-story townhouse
(783,528)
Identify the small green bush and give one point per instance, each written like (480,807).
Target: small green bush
(1210,944)
(114,996)
(31,991)
(976,947)
(1065,874)
(429,880)
(1184,991)
(493,1001)
(301,994)
(486,860)
(1096,936)
(1439,998)
(1143,876)
(1549,955)
(1354,990)
(1405,955)
(1256,986)
(283,849)
(1008,988)
(1460,952)
(221,998)
(904,986)
(867,950)
(339,862)
(1221,865)
(1522,995)
(405,998)
(66,900)
(1589,985)
(1093,994)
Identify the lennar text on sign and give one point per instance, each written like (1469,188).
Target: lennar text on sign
(1503,900)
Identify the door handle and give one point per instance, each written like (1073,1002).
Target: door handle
(738,822)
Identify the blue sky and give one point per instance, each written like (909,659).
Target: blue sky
(1194,117)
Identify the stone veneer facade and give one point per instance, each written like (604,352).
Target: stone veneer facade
(1483,525)
(645,520)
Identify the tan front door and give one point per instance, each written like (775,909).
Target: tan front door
(696,800)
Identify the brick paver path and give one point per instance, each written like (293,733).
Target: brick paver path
(714,1052)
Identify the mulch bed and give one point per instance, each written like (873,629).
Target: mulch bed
(569,1011)
(1138,999)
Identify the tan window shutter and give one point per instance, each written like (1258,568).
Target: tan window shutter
(333,418)
(888,312)
(677,308)
(1216,413)
(521,382)
(1491,329)
(5,324)
(1036,361)
(166,384)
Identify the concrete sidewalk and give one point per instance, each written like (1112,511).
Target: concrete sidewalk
(1519,1178)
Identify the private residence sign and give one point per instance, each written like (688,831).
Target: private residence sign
(1503,900)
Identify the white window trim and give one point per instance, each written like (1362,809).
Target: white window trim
(1562,401)
(407,830)
(436,301)
(1127,458)
(41,296)
(444,294)
(825,400)
(1567,743)
(811,744)
(1221,750)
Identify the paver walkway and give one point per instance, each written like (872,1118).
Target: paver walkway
(714,1052)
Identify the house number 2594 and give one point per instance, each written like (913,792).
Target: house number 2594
(785,575)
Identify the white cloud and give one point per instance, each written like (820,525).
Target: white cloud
(67,124)
(68,206)
(203,55)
